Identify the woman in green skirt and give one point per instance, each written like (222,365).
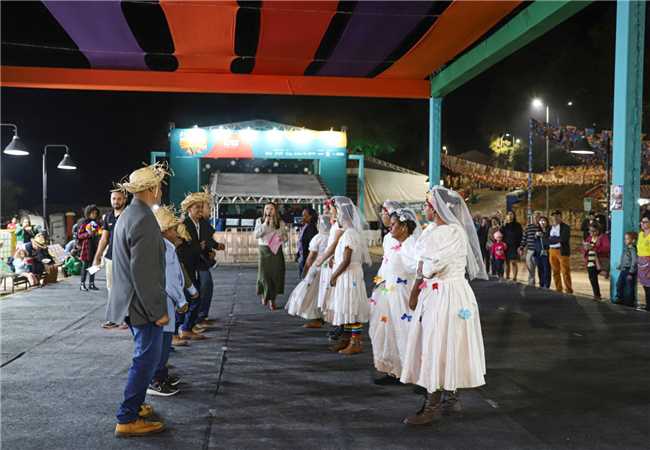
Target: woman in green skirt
(271,233)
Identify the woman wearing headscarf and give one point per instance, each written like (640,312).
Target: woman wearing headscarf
(303,301)
(348,302)
(308,230)
(444,350)
(389,304)
(88,234)
(271,233)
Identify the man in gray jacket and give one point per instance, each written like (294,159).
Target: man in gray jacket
(138,295)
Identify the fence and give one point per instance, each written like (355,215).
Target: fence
(241,246)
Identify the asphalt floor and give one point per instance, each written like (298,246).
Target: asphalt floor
(563,372)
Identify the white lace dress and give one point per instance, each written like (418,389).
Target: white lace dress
(389,310)
(445,344)
(348,301)
(325,275)
(303,301)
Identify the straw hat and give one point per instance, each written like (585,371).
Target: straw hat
(166,218)
(39,241)
(196,197)
(145,178)
(183,233)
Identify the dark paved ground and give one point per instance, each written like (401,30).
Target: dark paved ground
(563,373)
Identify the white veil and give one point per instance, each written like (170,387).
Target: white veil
(404,214)
(348,215)
(451,207)
(324,224)
(391,206)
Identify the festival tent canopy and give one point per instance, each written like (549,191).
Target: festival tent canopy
(258,188)
(384,184)
(374,49)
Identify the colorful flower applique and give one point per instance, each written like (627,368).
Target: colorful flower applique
(464,313)
(385,289)
(397,247)
(377,279)
(402,281)
(354,284)
(422,285)
(384,319)
(434,286)
(372,301)
(407,317)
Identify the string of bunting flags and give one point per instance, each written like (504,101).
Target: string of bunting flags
(569,136)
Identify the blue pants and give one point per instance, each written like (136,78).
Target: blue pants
(146,356)
(206,288)
(544,271)
(190,318)
(161,372)
(626,289)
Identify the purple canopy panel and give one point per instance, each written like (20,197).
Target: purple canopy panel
(101,32)
(374,31)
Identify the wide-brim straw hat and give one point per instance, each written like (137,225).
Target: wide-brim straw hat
(39,241)
(196,197)
(145,178)
(166,217)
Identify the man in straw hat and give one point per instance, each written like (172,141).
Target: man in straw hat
(201,245)
(138,293)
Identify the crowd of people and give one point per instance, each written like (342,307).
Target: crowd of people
(546,249)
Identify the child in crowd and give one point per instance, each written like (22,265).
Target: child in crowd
(72,264)
(23,267)
(626,283)
(498,251)
(164,384)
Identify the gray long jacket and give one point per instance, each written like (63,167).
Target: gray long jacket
(138,268)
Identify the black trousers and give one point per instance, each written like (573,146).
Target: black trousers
(84,272)
(593,279)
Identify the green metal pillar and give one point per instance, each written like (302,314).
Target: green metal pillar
(435,140)
(628,98)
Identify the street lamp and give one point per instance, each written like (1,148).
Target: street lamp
(65,164)
(15,148)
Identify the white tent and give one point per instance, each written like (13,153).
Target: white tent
(383,185)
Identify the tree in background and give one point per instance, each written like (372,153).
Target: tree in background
(371,148)
(505,151)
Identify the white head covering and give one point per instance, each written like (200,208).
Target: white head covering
(348,216)
(391,206)
(324,224)
(404,214)
(451,207)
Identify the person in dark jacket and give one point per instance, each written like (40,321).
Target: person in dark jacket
(88,234)
(307,233)
(541,253)
(512,235)
(483,230)
(559,253)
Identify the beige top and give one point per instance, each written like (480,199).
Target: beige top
(263,232)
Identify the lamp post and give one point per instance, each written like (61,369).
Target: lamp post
(538,103)
(15,148)
(65,164)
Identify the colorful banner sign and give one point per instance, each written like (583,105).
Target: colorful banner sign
(250,143)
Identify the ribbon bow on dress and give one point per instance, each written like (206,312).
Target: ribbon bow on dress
(406,317)
(402,281)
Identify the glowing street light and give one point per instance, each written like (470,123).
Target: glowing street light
(537,103)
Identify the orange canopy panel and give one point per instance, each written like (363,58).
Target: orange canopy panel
(203,34)
(149,81)
(290,33)
(460,26)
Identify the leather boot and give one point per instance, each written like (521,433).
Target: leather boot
(82,286)
(92,286)
(139,427)
(431,412)
(353,347)
(341,343)
(451,403)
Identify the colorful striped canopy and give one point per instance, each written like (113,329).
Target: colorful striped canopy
(364,48)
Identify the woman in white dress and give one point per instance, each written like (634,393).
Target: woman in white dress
(389,303)
(303,301)
(271,233)
(347,303)
(444,350)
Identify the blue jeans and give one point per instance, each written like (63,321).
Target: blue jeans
(146,356)
(626,289)
(161,372)
(544,271)
(206,288)
(190,318)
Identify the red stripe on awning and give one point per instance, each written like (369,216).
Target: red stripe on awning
(290,34)
(150,81)
(203,34)
(460,25)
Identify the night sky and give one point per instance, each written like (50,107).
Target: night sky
(110,133)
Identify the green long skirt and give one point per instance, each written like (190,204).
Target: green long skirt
(270,273)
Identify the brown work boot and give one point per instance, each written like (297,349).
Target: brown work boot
(146,410)
(139,427)
(353,347)
(206,323)
(431,411)
(313,324)
(451,403)
(177,341)
(198,330)
(341,343)
(191,335)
